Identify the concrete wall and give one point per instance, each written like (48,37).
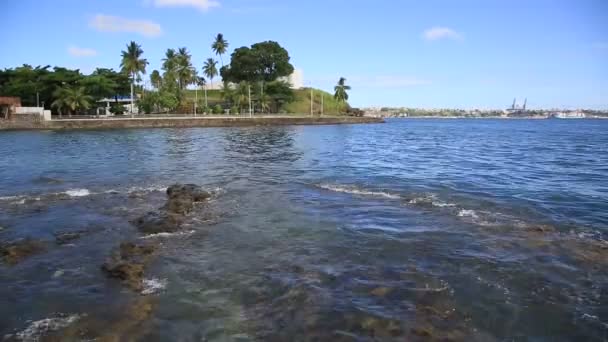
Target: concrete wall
(180,122)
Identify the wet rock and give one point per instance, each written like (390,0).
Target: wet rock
(15,252)
(158,222)
(128,264)
(48,180)
(62,238)
(191,191)
(542,229)
(168,219)
(381,291)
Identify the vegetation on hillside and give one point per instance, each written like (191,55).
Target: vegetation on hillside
(254,79)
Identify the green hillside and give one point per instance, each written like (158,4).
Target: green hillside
(301,105)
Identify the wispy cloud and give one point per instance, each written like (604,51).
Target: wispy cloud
(81,52)
(201,5)
(439,32)
(109,23)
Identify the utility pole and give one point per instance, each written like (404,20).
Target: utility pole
(311,99)
(250,112)
(37,99)
(322,104)
(195,99)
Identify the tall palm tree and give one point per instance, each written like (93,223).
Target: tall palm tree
(200,82)
(71,99)
(133,64)
(156,79)
(185,71)
(210,70)
(169,67)
(341,94)
(219,46)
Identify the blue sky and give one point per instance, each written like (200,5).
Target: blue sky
(448,53)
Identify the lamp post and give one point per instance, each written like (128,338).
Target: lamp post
(311,101)
(250,112)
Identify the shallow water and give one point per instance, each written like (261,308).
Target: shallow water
(459,229)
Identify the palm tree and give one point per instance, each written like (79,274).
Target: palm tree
(242,92)
(210,70)
(341,94)
(185,71)
(133,64)
(219,46)
(156,79)
(71,99)
(170,69)
(199,82)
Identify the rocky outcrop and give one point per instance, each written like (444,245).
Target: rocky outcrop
(180,202)
(15,252)
(128,263)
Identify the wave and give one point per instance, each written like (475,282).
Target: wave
(357,191)
(166,235)
(153,285)
(468,213)
(38,329)
(78,192)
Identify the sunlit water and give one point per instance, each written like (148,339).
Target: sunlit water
(464,229)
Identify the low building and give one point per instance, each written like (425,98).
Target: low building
(8,106)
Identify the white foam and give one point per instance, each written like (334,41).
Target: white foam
(37,329)
(468,213)
(153,285)
(78,192)
(166,235)
(357,191)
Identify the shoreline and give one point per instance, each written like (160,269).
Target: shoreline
(490,118)
(182,122)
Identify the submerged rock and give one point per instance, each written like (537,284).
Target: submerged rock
(158,222)
(62,238)
(128,264)
(15,252)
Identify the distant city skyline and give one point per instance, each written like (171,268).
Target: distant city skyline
(433,54)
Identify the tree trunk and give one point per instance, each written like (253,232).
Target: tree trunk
(132,81)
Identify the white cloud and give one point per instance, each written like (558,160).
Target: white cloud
(201,5)
(438,32)
(81,52)
(108,23)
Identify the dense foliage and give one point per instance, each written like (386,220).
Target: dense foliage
(255,76)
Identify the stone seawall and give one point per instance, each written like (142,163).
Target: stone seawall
(176,122)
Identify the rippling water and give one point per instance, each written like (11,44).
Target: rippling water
(418,229)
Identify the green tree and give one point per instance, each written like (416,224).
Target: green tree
(219,46)
(341,91)
(210,70)
(156,79)
(133,64)
(185,71)
(71,99)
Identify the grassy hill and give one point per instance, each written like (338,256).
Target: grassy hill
(301,105)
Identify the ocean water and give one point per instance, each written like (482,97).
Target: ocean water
(472,230)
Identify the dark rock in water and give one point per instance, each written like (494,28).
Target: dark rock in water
(128,264)
(158,222)
(188,191)
(181,199)
(63,238)
(15,252)
(179,205)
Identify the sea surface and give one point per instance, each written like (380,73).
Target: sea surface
(464,230)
